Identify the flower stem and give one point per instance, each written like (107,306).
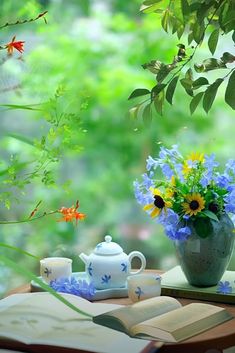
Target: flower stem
(24,21)
(29,219)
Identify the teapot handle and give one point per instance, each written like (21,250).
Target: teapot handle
(142,259)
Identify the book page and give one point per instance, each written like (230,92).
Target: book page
(32,315)
(141,311)
(39,318)
(184,322)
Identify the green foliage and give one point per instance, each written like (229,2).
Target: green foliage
(194,19)
(61,131)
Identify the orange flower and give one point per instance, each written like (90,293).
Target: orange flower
(15,45)
(70,213)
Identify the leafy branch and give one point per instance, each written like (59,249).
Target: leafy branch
(193,17)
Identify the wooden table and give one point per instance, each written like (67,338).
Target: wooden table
(211,341)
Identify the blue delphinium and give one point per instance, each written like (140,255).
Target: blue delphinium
(191,188)
(79,287)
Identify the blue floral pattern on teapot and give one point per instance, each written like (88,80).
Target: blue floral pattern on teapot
(108,266)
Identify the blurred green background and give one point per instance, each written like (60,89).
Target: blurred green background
(93,50)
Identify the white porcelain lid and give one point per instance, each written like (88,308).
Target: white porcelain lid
(108,247)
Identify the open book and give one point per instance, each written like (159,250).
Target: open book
(42,321)
(163,318)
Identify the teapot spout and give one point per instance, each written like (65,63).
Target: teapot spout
(84,257)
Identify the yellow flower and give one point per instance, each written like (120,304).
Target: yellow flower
(158,204)
(196,156)
(194,203)
(186,168)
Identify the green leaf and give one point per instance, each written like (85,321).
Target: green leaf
(227,58)
(210,64)
(151,2)
(198,31)
(195,101)
(164,21)
(153,66)
(201,81)
(230,91)
(210,94)
(203,227)
(30,276)
(150,6)
(163,72)
(233,36)
(147,114)
(19,250)
(187,84)
(213,40)
(23,107)
(157,89)
(171,89)
(190,38)
(210,215)
(138,92)
(178,11)
(133,112)
(189,74)
(180,31)
(185,8)
(21,138)
(158,102)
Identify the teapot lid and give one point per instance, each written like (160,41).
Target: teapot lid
(108,247)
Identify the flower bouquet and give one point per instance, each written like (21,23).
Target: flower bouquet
(192,203)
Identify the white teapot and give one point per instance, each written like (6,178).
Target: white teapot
(108,266)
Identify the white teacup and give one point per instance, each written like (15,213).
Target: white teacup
(52,268)
(143,286)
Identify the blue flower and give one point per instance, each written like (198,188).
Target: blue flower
(223,181)
(210,162)
(167,171)
(175,233)
(172,153)
(230,202)
(230,166)
(151,163)
(139,292)
(206,179)
(141,197)
(106,279)
(147,181)
(74,286)
(224,287)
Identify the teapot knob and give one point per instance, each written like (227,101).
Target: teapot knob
(108,238)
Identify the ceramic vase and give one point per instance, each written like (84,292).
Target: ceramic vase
(205,255)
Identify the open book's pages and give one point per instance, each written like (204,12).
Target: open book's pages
(163,318)
(182,323)
(124,318)
(41,319)
(174,283)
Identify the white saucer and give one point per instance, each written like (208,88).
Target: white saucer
(100,294)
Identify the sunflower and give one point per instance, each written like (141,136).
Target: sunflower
(194,203)
(158,204)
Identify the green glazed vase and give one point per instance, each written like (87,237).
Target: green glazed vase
(205,255)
